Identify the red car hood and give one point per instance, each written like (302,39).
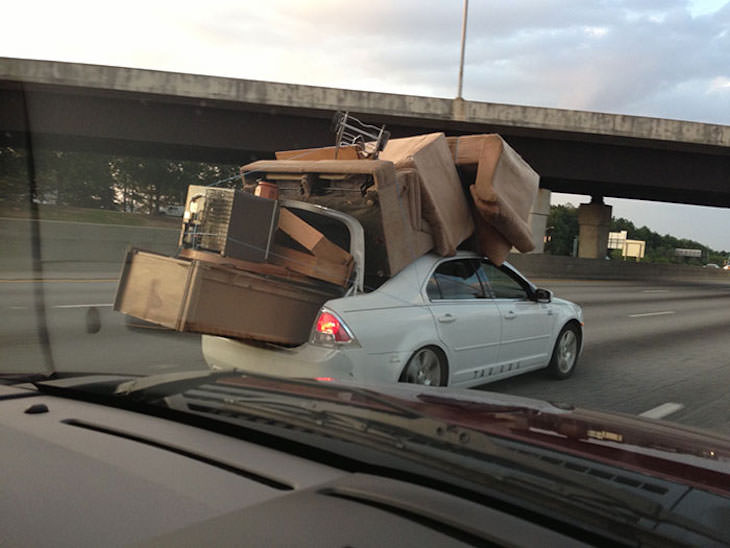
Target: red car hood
(665,450)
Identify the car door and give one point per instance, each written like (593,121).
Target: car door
(526,324)
(467,320)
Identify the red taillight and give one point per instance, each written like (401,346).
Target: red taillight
(329,328)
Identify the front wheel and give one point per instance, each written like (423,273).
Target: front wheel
(425,367)
(565,353)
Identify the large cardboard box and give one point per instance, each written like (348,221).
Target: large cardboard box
(207,298)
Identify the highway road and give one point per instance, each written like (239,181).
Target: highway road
(113,347)
(661,349)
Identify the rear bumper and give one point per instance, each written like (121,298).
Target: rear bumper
(305,361)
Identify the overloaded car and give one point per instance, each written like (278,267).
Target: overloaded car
(369,268)
(454,321)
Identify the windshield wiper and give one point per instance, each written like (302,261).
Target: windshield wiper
(141,384)
(459,452)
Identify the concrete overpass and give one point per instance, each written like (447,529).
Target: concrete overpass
(231,120)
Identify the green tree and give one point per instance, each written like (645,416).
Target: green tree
(94,180)
(661,249)
(80,179)
(562,229)
(14,180)
(147,184)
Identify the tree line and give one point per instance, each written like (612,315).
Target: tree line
(146,184)
(563,230)
(104,181)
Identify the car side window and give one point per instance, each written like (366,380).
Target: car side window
(501,284)
(457,279)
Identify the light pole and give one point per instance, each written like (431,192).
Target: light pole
(463,46)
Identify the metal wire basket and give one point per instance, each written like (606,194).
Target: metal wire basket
(368,139)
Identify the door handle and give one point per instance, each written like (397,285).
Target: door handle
(447,318)
(510,315)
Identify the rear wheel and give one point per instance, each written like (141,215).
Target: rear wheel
(425,367)
(565,353)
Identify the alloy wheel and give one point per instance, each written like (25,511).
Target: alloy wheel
(424,367)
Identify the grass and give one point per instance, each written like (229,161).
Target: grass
(84,215)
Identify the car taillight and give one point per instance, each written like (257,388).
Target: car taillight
(329,329)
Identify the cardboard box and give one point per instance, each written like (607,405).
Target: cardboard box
(312,239)
(311,266)
(207,298)
(323,153)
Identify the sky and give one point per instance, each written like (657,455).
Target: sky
(659,58)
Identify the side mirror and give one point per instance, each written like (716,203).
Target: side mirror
(543,295)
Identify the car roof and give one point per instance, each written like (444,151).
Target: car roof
(409,282)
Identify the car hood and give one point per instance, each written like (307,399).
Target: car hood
(661,449)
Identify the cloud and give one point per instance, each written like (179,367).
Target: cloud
(719,84)
(603,59)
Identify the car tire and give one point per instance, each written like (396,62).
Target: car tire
(565,354)
(426,366)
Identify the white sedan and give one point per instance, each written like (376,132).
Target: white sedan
(457,321)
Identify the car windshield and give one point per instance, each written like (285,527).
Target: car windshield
(445,276)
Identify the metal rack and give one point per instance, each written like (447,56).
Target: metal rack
(350,131)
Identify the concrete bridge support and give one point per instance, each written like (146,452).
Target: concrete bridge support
(538,219)
(593,222)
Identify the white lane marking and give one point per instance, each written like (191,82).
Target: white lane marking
(83,305)
(647,314)
(18,307)
(662,410)
(655,291)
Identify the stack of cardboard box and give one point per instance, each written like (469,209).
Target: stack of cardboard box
(244,259)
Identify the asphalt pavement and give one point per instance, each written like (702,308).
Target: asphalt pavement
(99,341)
(659,349)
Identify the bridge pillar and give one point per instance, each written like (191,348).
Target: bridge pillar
(538,219)
(593,225)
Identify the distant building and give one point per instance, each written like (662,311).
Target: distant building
(629,248)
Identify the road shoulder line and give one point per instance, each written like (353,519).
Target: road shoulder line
(662,410)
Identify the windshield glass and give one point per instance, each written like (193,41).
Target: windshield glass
(445,276)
